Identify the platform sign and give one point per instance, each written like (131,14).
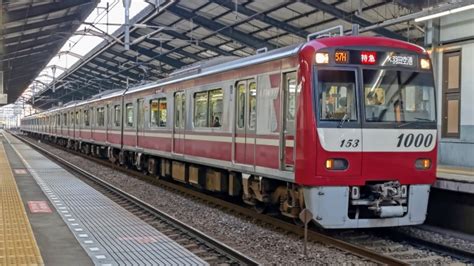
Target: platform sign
(39,206)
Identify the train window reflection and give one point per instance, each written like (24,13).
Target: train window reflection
(398,96)
(337,95)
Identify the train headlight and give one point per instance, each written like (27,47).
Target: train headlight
(425,63)
(336,164)
(423,164)
(404,191)
(355,193)
(322,58)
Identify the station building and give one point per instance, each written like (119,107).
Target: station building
(451,39)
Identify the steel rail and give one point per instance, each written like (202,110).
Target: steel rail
(222,248)
(460,254)
(344,246)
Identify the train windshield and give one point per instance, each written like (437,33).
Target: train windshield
(337,98)
(398,96)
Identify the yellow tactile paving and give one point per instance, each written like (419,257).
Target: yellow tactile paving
(459,171)
(17,242)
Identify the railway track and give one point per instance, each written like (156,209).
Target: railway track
(368,246)
(409,249)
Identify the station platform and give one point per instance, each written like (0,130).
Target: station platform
(454,178)
(50,217)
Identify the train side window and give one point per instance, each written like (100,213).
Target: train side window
(86,118)
(154,112)
(177,108)
(77,118)
(291,99)
(129,114)
(117,116)
(158,112)
(100,117)
(162,112)
(201,100)
(208,108)
(140,113)
(216,107)
(241,92)
(252,105)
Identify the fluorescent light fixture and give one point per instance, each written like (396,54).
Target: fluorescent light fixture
(444,13)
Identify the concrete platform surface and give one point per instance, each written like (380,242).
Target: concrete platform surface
(107,233)
(455,178)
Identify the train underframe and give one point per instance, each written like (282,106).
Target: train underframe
(377,204)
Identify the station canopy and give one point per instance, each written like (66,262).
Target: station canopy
(169,35)
(31,33)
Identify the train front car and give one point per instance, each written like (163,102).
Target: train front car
(366,131)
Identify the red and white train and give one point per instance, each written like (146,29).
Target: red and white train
(342,126)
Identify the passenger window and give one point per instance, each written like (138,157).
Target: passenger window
(158,112)
(252,105)
(208,108)
(241,105)
(86,118)
(140,113)
(117,116)
(291,85)
(200,109)
(216,107)
(100,117)
(129,114)
(179,103)
(77,118)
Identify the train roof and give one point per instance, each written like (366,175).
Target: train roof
(347,41)
(223,64)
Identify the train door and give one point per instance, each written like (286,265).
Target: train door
(246,122)
(179,122)
(287,142)
(140,121)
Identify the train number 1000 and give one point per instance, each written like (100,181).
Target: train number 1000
(410,140)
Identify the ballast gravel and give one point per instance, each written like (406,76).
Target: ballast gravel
(265,245)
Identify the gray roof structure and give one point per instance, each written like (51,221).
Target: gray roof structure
(31,33)
(184,32)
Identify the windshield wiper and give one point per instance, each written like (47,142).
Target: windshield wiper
(344,118)
(423,119)
(414,122)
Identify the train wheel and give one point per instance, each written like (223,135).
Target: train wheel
(152,167)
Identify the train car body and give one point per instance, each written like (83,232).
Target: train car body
(343,126)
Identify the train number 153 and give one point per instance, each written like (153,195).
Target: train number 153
(410,140)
